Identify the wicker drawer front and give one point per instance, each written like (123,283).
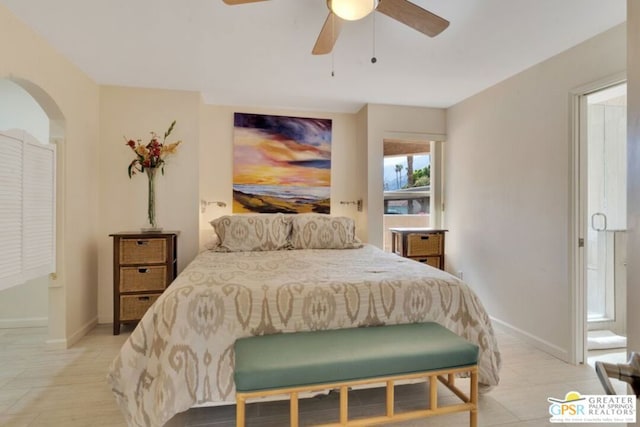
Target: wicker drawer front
(433,261)
(133,307)
(143,251)
(424,244)
(151,278)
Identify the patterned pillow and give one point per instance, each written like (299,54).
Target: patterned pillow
(317,231)
(243,233)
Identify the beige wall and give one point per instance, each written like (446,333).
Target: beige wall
(508,190)
(134,113)
(71,95)
(216,160)
(360,171)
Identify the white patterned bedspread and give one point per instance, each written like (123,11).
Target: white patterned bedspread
(181,352)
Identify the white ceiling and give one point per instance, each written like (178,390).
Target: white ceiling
(259,54)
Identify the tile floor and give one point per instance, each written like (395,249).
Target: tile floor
(40,386)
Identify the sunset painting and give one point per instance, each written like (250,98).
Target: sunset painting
(281,164)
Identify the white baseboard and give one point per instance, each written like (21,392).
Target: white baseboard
(64,343)
(537,342)
(31,322)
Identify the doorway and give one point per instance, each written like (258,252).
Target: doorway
(602,220)
(30,105)
(25,304)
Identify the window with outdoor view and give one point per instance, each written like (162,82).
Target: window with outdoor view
(407,180)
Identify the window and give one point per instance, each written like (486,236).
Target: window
(27,208)
(407,182)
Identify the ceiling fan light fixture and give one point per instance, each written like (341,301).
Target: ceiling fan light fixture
(352,10)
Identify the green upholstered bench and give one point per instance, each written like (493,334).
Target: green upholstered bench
(299,362)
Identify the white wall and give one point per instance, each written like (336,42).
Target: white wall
(508,190)
(216,160)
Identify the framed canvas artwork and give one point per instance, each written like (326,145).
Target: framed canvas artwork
(281,164)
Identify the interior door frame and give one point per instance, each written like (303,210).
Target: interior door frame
(578,209)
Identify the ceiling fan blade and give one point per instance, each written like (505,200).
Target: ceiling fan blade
(328,35)
(234,2)
(413,16)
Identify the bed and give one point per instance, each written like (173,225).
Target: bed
(181,353)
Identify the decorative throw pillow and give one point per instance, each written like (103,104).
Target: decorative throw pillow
(243,233)
(317,231)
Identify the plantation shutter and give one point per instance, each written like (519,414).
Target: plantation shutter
(27,208)
(10,211)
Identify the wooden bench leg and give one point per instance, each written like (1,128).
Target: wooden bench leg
(390,398)
(240,405)
(344,404)
(433,392)
(473,417)
(294,409)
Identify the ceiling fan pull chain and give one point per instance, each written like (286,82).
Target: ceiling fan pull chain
(373,57)
(333,36)
(333,74)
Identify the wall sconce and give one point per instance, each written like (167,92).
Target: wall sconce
(358,203)
(205,203)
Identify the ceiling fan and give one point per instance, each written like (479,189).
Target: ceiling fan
(351,10)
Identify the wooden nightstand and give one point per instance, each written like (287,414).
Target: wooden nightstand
(421,244)
(144,264)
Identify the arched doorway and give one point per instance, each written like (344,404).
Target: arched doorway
(49,125)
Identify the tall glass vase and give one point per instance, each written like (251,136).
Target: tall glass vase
(151,205)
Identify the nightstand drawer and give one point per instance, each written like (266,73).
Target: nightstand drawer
(143,251)
(133,307)
(143,278)
(433,261)
(424,244)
